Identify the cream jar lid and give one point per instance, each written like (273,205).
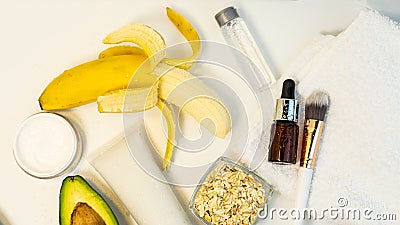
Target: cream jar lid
(47,145)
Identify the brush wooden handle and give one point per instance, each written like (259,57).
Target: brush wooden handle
(303,191)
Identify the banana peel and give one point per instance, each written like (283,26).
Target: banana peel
(121,50)
(191,35)
(128,100)
(144,36)
(169,116)
(128,78)
(84,83)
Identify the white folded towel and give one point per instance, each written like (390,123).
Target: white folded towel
(359,157)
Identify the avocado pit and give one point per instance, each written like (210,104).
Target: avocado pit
(83,214)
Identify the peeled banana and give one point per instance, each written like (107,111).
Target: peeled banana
(128,78)
(192,96)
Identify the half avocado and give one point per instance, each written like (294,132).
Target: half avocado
(81,204)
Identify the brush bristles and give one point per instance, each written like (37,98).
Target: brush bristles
(317,105)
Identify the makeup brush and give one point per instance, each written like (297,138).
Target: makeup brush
(316,108)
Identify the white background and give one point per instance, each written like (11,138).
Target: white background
(40,39)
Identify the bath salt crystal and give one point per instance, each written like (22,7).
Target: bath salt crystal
(237,34)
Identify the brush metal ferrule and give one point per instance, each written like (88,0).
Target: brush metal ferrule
(286,109)
(311,138)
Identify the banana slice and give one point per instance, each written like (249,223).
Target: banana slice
(168,113)
(121,50)
(192,96)
(144,36)
(191,35)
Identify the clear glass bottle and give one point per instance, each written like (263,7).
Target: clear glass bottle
(237,34)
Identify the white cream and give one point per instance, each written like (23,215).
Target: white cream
(45,145)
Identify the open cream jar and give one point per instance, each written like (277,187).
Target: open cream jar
(47,145)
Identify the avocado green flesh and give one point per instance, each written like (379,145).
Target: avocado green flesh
(74,191)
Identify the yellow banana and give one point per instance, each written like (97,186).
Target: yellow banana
(192,96)
(144,36)
(121,50)
(168,113)
(191,35)
(84,83)
(121,81)
(128,100)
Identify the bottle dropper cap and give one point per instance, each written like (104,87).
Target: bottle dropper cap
(286,106)
(226,15)
(288,89)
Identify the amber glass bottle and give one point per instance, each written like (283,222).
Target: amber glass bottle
(285,131)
